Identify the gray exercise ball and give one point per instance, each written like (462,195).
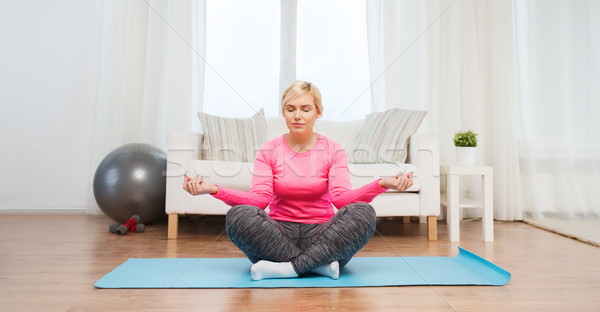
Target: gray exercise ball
(130,181)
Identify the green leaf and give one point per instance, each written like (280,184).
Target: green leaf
(466,139)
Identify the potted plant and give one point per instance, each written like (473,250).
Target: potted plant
(465,143)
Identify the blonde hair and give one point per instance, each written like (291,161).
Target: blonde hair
(299,88)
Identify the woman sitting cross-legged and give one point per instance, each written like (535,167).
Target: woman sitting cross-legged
(299,175)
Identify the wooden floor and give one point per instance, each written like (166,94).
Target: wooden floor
(49,263)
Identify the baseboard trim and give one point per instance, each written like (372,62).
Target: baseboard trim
(42,211)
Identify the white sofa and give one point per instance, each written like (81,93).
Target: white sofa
(422,199)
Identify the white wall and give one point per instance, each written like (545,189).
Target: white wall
(49,65)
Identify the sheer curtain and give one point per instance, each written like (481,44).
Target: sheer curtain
(455,60)
(558,48)
(151,73)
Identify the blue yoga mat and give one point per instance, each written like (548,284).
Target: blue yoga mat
(464,269)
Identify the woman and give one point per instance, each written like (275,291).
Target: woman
(299,175)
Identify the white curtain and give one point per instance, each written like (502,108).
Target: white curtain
(49,53)
(455,60)
(459,60)
(151,76)
(558,48)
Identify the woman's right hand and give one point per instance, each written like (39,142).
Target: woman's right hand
(197,186)
(399,183)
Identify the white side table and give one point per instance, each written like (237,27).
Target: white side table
(454,203)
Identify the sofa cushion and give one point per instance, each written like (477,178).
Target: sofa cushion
(275,127)
(361,174)
(231,139)
(340,132)
(238,175)
(234,175)
(384,136)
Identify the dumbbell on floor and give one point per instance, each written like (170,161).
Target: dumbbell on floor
(131,225)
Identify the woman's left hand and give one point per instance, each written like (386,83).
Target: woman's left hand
(400,182)
(197,186)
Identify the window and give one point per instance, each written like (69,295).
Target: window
(243,56)
(332,52)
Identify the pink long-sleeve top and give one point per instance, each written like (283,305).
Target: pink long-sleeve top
(300,187)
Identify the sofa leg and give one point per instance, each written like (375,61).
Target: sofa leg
(406,219)
(432,227)
(173,224)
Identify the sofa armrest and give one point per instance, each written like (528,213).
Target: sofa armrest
(181,147)
(423,151)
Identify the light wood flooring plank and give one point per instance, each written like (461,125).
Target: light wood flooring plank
(49,263)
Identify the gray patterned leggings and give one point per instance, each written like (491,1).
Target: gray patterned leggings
(307,246)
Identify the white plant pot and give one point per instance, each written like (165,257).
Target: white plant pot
(465,156)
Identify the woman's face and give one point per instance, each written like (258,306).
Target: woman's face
(301,113)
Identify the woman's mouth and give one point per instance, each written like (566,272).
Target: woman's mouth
(297,125)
